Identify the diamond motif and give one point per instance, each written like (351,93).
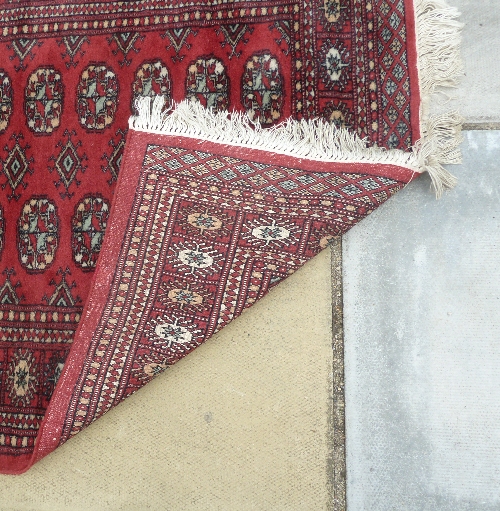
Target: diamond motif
(271,189)
(258,180)
(387,60)
(200,169)
(385,8)
(289,185)
(351,189)
(402,128)
(16,165)
(203,155)
(386,34)
(386,180)
(245,169)
(394,21)
(260,166)
(161,153)
(68,163)
(173,164)
(241,183)
(318,187)
(274,174)
(158,168)
(215,164)
(189,159)
(337,180)
(393,141)
(369,184)
(227,174)
(213,179)
(392,114)
(400,100)
(398,72)
(306,180)
(333,193)
(390,87)
(380,196)
(396,46)
(380,47)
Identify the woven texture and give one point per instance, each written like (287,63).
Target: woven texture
(70,74)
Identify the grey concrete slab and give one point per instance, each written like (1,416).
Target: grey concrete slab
(422,344)
(478,97)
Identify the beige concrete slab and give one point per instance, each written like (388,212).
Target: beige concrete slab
(240,424)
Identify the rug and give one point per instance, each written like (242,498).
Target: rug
(211,211)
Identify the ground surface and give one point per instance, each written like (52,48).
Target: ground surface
(422,319)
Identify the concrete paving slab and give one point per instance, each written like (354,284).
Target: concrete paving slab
(478,97)
(422,344)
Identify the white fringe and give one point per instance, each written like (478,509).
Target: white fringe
(439,65)
(438,42)
(313,139)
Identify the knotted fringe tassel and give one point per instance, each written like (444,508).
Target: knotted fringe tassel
(439,65)
(438,42)
(439,145)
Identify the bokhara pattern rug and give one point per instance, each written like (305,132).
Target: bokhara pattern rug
(123,250)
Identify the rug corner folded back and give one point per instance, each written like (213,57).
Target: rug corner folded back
(124,245)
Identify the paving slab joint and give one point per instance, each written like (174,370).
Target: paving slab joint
(337,461)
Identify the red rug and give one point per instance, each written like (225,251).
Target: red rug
(201,225)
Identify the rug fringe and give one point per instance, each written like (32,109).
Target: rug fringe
(314,139)
(439,65)
(439,146)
